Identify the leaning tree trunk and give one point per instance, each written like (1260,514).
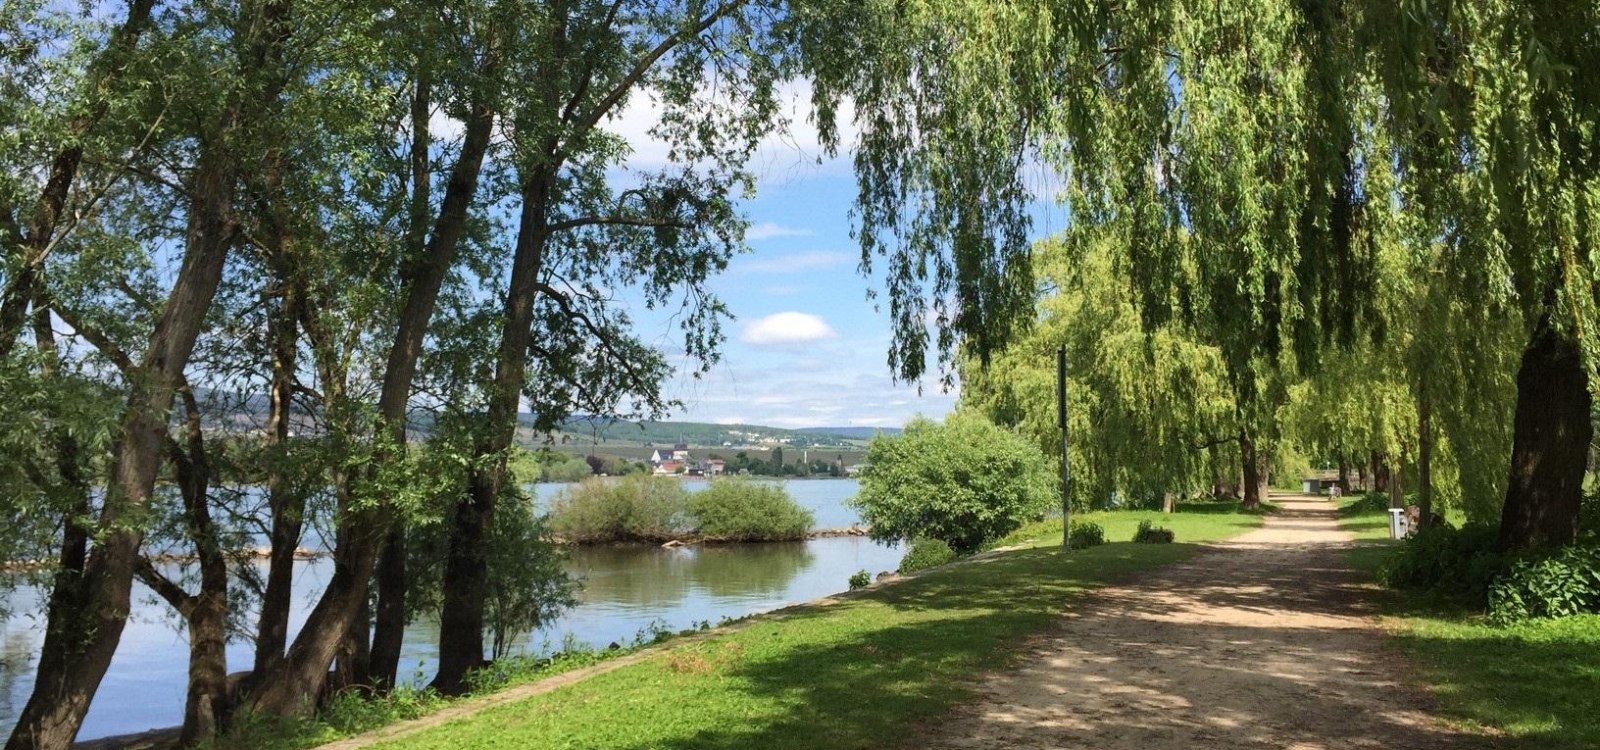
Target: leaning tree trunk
(61,694)
(389,629)
(1550,441)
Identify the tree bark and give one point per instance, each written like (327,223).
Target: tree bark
(206,706)
(1344,474)
(1251,471)
(461,617)
(285,501)
(68,593)
(1551,432)
(388,632)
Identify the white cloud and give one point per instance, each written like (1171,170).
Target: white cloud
(791,152)
(767,230)
(809,260)
(443,127)
(787,328)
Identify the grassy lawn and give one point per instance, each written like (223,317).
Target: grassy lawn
(859,673)
(1194,522)
(1538,682)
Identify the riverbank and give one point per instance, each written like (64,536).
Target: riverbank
(1536,683)
(852,670)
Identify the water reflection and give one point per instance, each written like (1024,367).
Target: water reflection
(626,590)
(655,577)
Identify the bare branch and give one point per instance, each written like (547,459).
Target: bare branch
(616,221)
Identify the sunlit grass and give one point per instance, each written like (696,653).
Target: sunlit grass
(1193,522)
(858,673)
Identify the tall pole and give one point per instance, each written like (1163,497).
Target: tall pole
(1066,474)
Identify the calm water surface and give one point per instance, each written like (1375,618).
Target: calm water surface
(626,590)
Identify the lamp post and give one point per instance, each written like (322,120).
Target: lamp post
(1066,474)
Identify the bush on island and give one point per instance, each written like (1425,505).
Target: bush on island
(739,510)
(634,508)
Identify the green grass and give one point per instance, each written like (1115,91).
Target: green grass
(859,673)
(1193,522)
(1537,682)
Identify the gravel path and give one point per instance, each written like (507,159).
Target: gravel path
(1262,642)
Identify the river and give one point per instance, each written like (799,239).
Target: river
(626,590)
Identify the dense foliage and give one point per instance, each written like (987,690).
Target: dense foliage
(1458,562)
(1562,584)
(641,508)
(965,482)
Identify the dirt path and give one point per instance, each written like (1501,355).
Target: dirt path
(1261,642)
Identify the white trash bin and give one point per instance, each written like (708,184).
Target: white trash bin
(1398,524)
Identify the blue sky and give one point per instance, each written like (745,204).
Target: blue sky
(808,349)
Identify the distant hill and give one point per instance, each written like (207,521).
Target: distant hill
(590,429)
(238,412)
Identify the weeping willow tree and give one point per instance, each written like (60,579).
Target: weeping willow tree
(1259,159)
(1151,413)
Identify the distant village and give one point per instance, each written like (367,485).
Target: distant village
(679,461)
(676,461)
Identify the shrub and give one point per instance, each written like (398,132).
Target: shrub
(1367,504)
(860,580)
(1087,534)
(1558,585)
(636,507)
(1459,562)
(1149,533)
(565,469)
(926,553)
(739,510)
(1589,519)
(965,482)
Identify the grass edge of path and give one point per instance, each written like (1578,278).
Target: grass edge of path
(1534,685)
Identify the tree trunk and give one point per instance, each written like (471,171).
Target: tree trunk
(284,502)
(1551,432)
(295,685)
(68,592)
(461,617)
(1251,470)
(61,694)
(1397,484)
(1344,474)
(389,630)
(205,709)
